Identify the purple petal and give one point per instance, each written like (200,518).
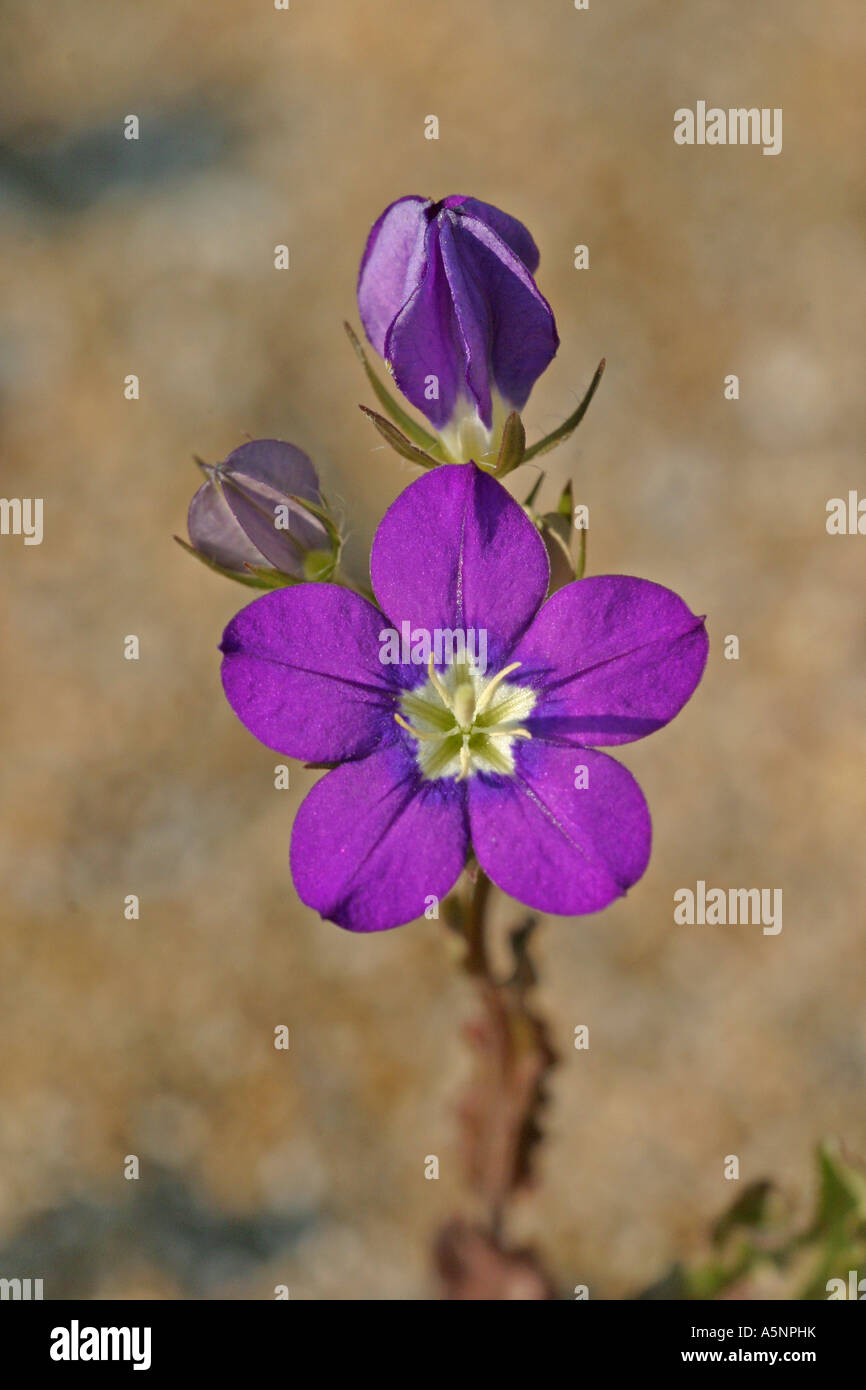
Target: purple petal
(257,508)
(552,846)
(506,324)
(475,320)
(372,842)
(512,232)
(215,532)
(277,464)
(262,476)
(613,658)
(391,266)
(423,341)
(301,670)
(455,551)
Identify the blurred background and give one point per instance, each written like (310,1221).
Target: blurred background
(155,1037)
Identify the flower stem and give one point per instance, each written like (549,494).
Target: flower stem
(500,1110)
(477,962)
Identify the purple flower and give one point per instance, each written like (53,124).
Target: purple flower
(250,513)
(447,298)
(436,756)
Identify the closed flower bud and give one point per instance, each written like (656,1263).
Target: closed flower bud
(260,514)
(447,298)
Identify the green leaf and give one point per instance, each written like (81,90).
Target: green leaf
(842,1191)
(568,426)
(410,427)
(749,1210)
(757,1236)
(513,445)
(398,441)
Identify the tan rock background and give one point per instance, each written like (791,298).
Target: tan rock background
(155,1037)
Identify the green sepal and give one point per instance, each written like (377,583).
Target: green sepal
(568,426)
(557,531)
(319,566)
(512,450)
(534,491)
(253,580)
(272,579)
(565,505)
(323,515)
(409,427)
(398,441)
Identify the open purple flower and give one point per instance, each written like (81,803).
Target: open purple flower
(437,755)
(250,513)
(447,298)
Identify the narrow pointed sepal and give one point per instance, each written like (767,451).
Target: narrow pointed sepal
(398,441)
(251,578)
(409,427)
(558,436)
(567,557)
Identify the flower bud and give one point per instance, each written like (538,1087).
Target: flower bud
(447,297)
(259,516)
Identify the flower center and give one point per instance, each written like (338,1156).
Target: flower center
(464,723)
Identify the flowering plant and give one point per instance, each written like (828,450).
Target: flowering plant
(434,757)
(459,704)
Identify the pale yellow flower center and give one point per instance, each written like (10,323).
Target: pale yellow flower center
(465,723)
